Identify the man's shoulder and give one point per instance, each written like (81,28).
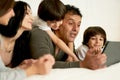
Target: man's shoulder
(39,34)
(36,30)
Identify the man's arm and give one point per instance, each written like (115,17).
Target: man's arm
(40,43)
(63,64)
(94,61)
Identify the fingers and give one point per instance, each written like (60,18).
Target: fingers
(47,58)
(45,64)
(27,61)
(95,67)
(103,58)
(50,58)
(95,50)
(95,61)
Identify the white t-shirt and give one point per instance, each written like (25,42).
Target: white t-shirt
(81,51)
(41,24)
(7,73)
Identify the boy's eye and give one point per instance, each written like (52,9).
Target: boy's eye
(101,39)
(93,38)
(53,21)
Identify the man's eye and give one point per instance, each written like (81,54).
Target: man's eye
(70,23)
(79,25)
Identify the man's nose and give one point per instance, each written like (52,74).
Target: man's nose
(75,27)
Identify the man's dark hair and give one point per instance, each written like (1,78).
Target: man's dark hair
(73,10)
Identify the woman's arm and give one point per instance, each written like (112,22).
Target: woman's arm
(41,66)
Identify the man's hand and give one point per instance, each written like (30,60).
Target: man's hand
(94,59)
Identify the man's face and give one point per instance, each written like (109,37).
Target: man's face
(70,27)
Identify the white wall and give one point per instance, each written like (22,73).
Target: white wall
(105,13)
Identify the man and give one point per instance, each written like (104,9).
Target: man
(40,43)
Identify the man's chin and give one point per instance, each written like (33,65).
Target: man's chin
(72,40)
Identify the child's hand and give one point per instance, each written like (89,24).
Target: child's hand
(97,50)
(70,59)
(75,59)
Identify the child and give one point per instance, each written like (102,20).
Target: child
(50,14)
(94,37)
(6,11)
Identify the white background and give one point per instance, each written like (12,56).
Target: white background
(104,13)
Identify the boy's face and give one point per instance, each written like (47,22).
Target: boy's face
(96,41)
(6,17)
(54,24)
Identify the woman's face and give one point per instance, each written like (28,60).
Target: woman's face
(6,17)
(54,24)
(28,19)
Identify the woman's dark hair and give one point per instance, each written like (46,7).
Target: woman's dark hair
(21,50)
(15,22)
(92,31)
(5,5)
(51,10)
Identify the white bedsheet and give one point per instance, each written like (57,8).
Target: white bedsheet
(110,73)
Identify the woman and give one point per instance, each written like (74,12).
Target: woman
(6,11)
(22,21)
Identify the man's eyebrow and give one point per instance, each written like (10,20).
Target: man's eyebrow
(69,19)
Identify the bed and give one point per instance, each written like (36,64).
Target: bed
(109,73)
